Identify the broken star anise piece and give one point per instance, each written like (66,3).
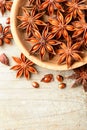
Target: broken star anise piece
(30,20)
(68,53)
(5,5)
(61,26)
(5,35)
(24,66)
(80,77)
(52,4)
(43,43)
(4,59)
(76,7)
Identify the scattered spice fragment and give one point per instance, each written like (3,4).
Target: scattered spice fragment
(35,84)
(59,78)
(4,59)
(24,66)
(5,5)
(62,85)
(8,20)
(80,76)
(5,35)
(47,78)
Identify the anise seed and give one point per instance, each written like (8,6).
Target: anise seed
(47,78)
(8,20)
(62,85)
(35,85)
(59,78)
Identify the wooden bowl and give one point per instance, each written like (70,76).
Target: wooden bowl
(24,46)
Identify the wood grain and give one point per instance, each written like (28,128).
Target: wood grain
(23,107)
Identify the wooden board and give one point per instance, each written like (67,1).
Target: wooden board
(48,108)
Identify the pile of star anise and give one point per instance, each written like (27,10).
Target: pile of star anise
(56,27)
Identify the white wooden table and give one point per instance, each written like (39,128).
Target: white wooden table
(48,108)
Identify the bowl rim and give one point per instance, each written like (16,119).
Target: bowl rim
(37,61)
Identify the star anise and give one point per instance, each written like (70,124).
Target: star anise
(5,5)
(80,28)
(30,20)
(80,77)
(24,66)
(33,1)
(52,4)
(69,53)
(33,4)
(5,35)
(76,7)
(43,43)
(61,26)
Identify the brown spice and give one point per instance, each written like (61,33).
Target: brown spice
(62,85)
(44,43)
(35,84)
(47,78)
(5,5)
(52,4)
(24,66)
(64,28)
(59,78)
(4,59)
(5,35)
(76,7)
(80,76)
(69,52)
(54,27)
(30,20)
(8,20)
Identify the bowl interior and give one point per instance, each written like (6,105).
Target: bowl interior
(18,36)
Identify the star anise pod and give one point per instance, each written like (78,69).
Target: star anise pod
(76,7)
(80,28)
(33,4)
(52,4)
(5,5)
(43,43)
(30,20)
(31,1)
(24,66)
(61,26)
(80,77)
(5,35)
(68,53)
